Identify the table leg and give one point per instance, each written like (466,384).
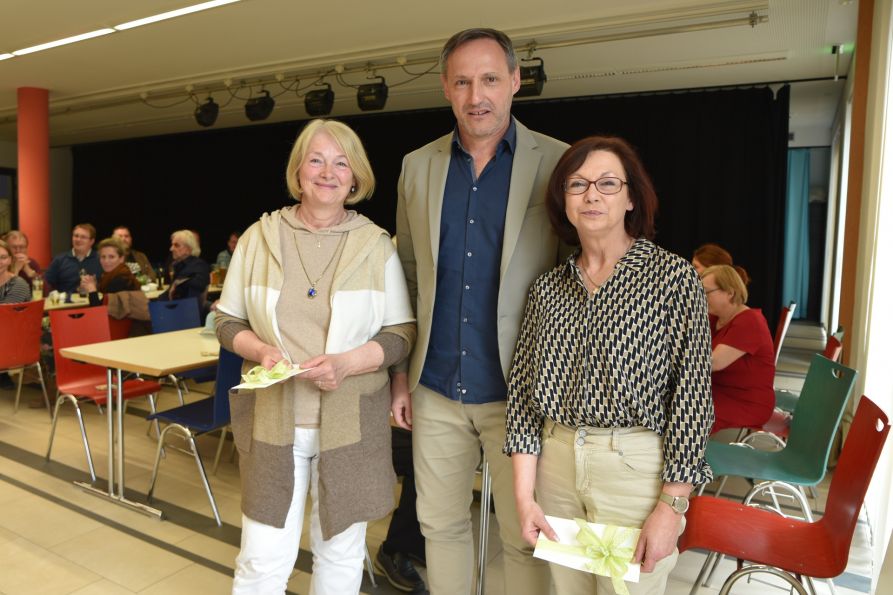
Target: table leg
(109,396)
(115,403)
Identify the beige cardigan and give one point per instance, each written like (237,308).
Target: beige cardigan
(369,298)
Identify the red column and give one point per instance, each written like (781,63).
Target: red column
(34,171)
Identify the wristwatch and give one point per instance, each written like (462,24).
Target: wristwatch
(679,504)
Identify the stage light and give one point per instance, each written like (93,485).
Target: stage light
(532,79)
(206,114)
(319,102)
(372,96)
(259,108)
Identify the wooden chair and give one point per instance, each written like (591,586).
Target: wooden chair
(78,382)
(791,548)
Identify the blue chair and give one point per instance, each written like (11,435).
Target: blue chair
(202,417)
(177,315)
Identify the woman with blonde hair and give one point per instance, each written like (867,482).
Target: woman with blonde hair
(743,355)
(319,285)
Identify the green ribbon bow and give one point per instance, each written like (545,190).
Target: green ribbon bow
(260,374)
(608,555)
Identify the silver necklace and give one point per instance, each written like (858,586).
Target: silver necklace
(311,291)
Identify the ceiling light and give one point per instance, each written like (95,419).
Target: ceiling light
(319,102)
(259,108)
(372,96)
(532,79)
(206,114)
(66,41)
(172,14)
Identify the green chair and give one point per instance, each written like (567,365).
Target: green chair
(804,458)
(786,400)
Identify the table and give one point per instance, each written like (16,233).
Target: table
(76,302)
(153,355)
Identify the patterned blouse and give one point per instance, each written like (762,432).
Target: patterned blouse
(637,353)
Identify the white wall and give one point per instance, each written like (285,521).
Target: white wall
(61,166)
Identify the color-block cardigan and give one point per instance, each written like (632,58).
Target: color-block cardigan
(356,476)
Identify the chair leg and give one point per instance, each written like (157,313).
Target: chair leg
(755,568)
(484,537)
(219,449)
(176,383)
(15,408)
(204,476)
(43,387)
(151,399)
(369,566)
(157,462)
(717,558)
(702,573)
(77,410)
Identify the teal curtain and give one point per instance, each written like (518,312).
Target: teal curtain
(795,284)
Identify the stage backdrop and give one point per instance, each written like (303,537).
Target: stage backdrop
(718,159)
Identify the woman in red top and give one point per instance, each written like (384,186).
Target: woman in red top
(743,355)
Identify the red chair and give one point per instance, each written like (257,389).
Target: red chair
(21,323)
(119,328)
(78,382)
(781,330)
(793,548)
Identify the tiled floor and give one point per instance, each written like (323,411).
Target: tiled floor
(56,538)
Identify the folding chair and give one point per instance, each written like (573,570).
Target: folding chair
(78,382)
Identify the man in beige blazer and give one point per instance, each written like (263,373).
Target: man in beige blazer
(472,234)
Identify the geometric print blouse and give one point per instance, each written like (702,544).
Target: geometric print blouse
(637,353)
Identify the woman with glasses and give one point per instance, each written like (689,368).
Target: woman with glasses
(609,404)
(743,354)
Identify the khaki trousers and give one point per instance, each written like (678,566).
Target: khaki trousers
(603,475)
(446,442)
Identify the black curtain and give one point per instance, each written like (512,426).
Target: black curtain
(717,157)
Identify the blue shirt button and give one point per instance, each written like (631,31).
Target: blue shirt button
(468,287)
(468,254)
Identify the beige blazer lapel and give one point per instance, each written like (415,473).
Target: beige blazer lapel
(524,170)
(438,167)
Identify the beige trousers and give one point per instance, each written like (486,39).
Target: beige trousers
(603,475)
(447,438)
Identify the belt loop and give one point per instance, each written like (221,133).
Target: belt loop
(615,441)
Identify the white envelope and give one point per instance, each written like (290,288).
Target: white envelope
(567,530)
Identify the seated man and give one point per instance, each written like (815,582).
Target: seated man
(64,273)
(22,265)
(136,260)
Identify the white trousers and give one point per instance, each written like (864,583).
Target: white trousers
(268,554)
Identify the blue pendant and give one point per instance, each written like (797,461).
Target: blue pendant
(311,293)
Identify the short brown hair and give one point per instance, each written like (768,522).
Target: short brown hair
(463,37)
(86,227)
(728,279)
(639,222)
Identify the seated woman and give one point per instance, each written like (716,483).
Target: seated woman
(116,275)
(743,356)
(709,255)
(13,289)
(190,274)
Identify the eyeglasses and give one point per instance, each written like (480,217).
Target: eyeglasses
(606,185)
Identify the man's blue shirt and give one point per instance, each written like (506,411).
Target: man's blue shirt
(463,361)
(64,273)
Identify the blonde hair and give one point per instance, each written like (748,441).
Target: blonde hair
(348,141)
(187,237)
(728,279)
(112,242)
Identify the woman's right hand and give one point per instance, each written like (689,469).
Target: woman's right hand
(533,521)
(269,356)
(88,283)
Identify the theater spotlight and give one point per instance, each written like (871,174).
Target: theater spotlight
(259,108)
(206,114)
(372,96)
(532,79)
(319,102)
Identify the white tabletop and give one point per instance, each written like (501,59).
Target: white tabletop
(155,355)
